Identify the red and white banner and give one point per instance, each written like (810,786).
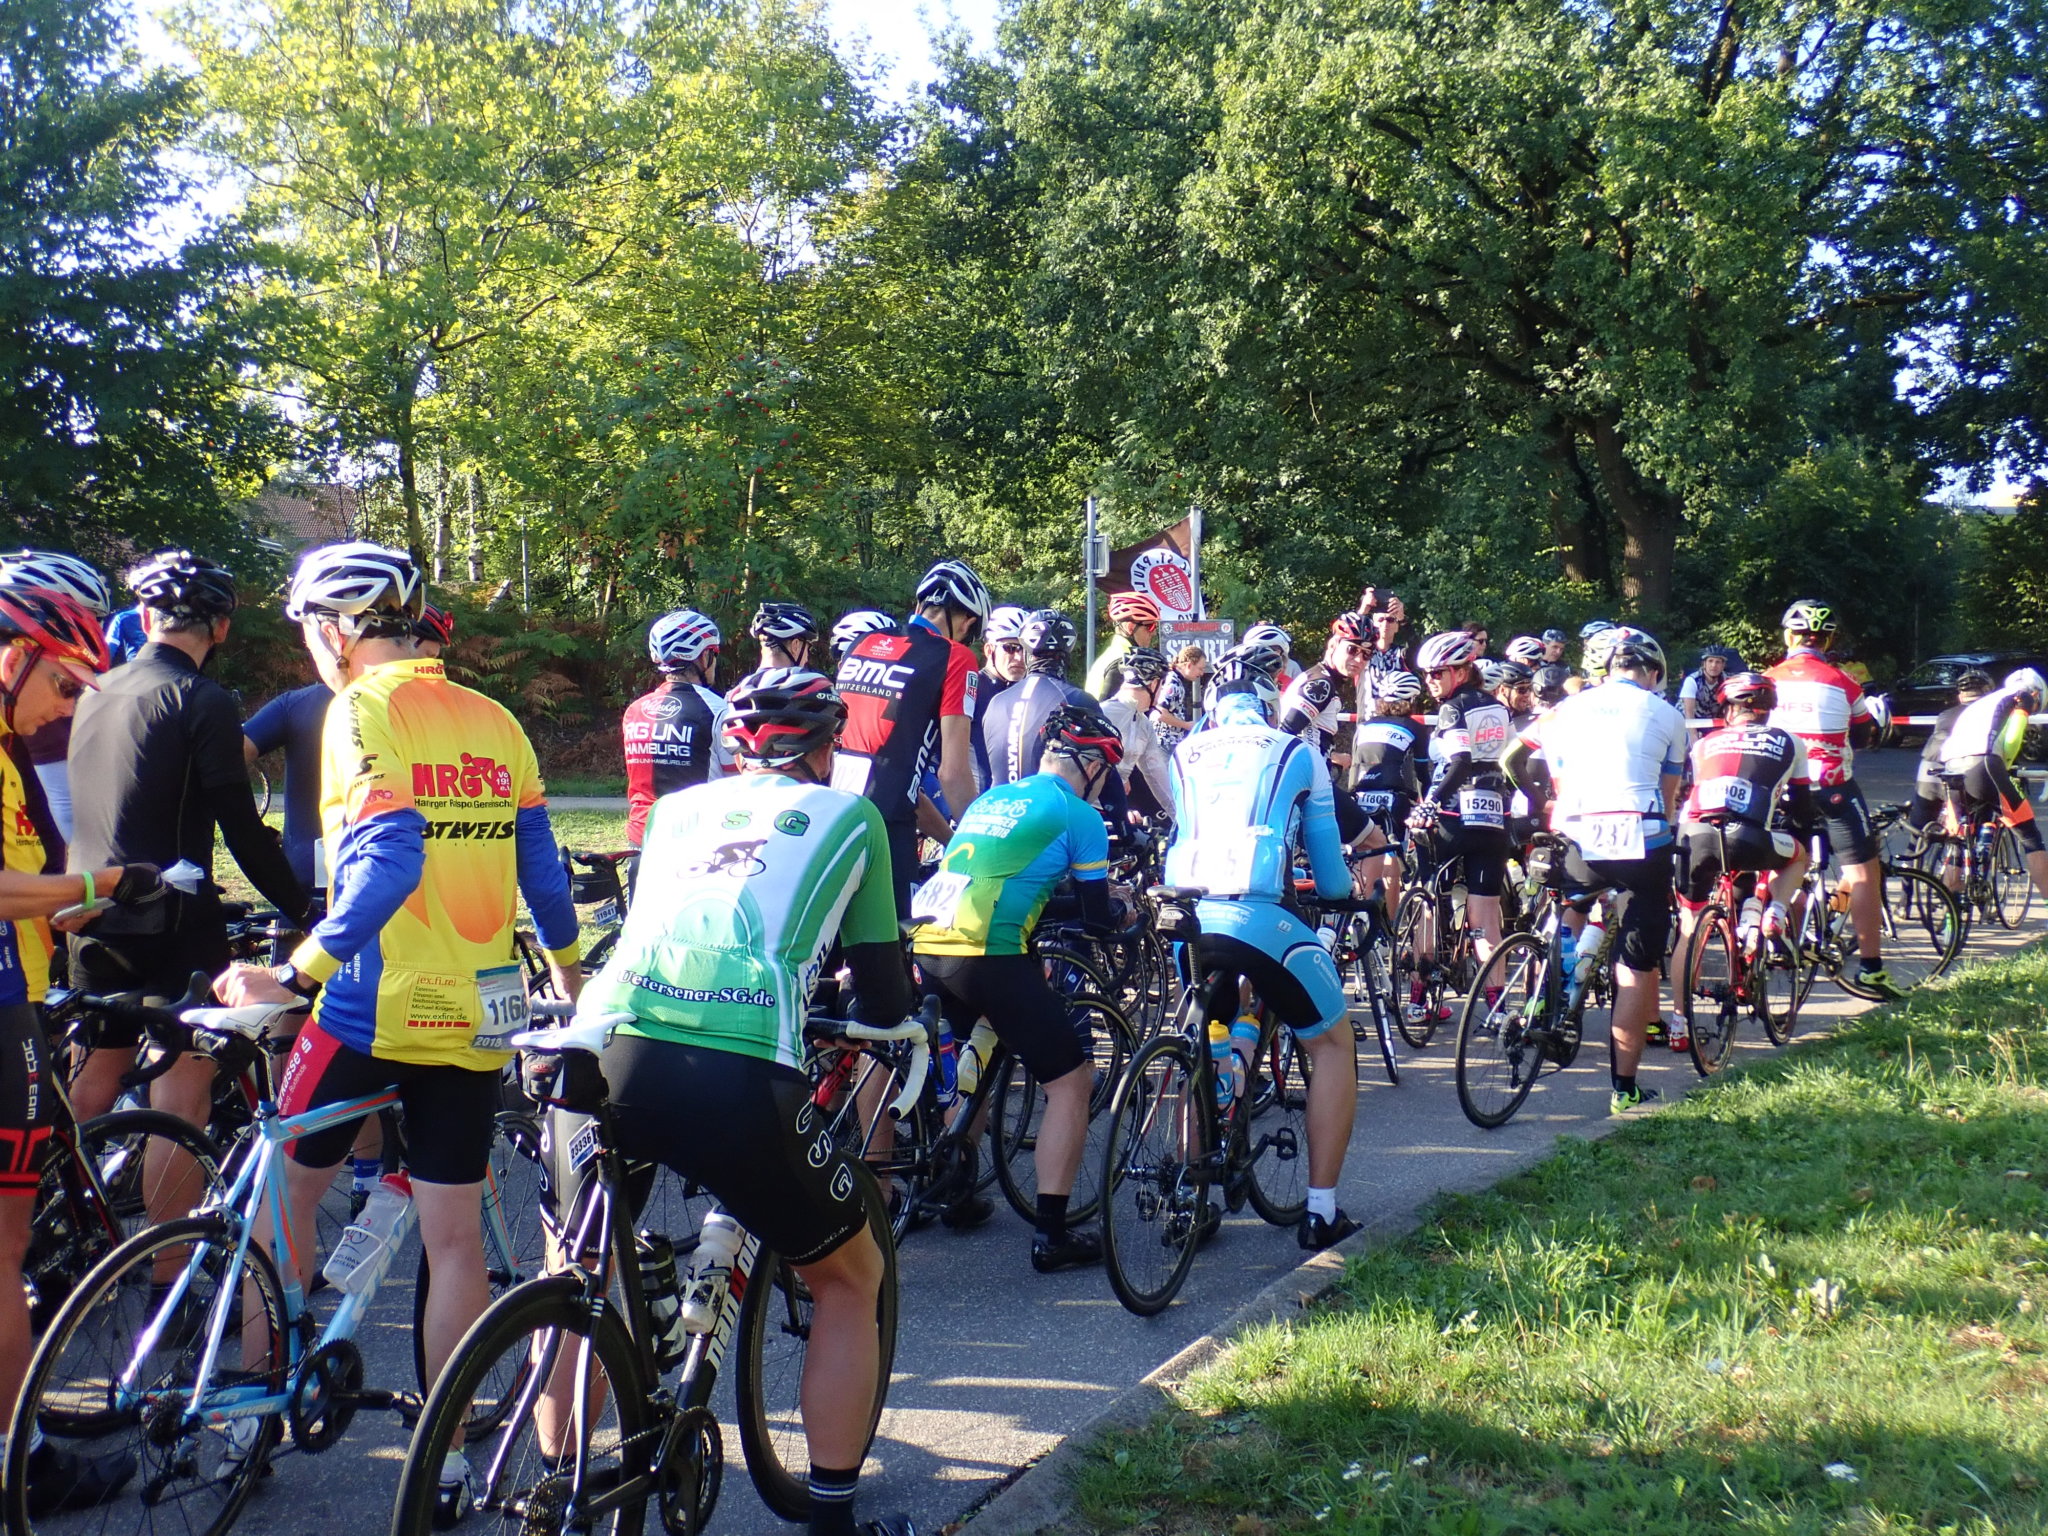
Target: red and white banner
(1165,567)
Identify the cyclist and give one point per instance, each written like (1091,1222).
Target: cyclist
(293,722)
(51,652)
(1554,642)
(852,626)
(786,634)
(1514,685)
(1976,763)
(1825,707)
(672,733)
(1479,634)
(1930,794)
(164,746)
(1143,767)
(41,570)
(1004,662)
(1019,841)
(1248,800)
(1385,749)
(432,804)
(1527,651)
(744,886)
(1467,794)
(434,632)
(1702,696)
(1313,704)
(910,707)
(1135,617)
(1742,775)
(1614,751)
(1017,719)
(1276,642)
(1387,655)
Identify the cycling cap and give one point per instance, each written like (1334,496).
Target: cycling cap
(1354,627)
(1048,632)
(1081,734)
(1496,675)
(862,621)
(2027,680)
(1005,623)
(1452,648)
(1397,687)
(1236,674)
(1142,664)
(1553,637)
(1976,680)
(1593,627)
(951,584)
(436,624)
(1526,649)
(678,639)
(1807,617)
(1752,690)
(1133,605)
(783,621)
(368,586)
(777,715)
(39,570)
(183,585)
(1727,653)
(1268,637)
(60,629)
(1623,646)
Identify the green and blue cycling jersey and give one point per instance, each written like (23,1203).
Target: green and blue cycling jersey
(1016,843)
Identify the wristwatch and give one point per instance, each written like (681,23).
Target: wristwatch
(287,976)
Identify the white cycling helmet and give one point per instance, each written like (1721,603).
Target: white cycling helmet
(365,586)
(1526,649)
(1005,623)
(1452,648)
(1880,711)
(2027,680)
(1268,637)
(1622,645)
(42,570)
(862,621)
(1397,687)
(951,583)
(680,639)
(1237,675)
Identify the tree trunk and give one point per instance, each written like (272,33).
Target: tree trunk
(476,496)
(1575,514)
(1650,520)
(441,517)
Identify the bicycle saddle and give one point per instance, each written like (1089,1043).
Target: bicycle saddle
(578,1035)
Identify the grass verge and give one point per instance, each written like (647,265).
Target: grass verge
(1811,1298)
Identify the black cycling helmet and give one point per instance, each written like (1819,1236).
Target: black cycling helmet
(1082,734)
(435,624)
(779,714)
(1750,690)
(1048,635)
(1142,664)
(1976,681)
(1553,637)
(1496,675)
(183,585)
(782,623)
(1727,653)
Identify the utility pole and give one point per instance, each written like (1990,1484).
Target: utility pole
(1088,571)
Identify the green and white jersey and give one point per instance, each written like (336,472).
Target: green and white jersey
(744,883)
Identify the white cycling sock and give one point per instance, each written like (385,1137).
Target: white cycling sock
(1323,1203)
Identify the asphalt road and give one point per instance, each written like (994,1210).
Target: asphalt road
(995,1363)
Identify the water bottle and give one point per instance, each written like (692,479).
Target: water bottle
(1244,1050)
(656,1256)
(1567,949)
(1750,923)
(948,1064)
(718,1243)
(369,1242)
(1986,834)
(1592,940)
(974,1055)
(1225,1067)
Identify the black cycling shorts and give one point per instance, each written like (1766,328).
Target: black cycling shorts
(1983,786)
(450,1112)
(1646,916)
(156,964)
(28,1100)
(1351,818)
(741,1127)
(1011,992)
(1485,851)
(1850,834)
(1749,847)
(1388,809)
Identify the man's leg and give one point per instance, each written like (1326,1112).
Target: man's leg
(842,1371)
(451,1231)
(1635,1004)
(15,1344)
(175,1181)
(1064,1132)
(98,1083)
(1866,905)
(1332,1103)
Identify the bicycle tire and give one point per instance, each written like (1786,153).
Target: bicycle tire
(1017,1107)
(1417,908)
(1071,973)
(1710,988)
(532,1323)
(1518,966)
(92,1338)
(1160,1134)
(1375,959)
(2012,888)
(1785,970)
(1276,1133)
(1922,934)
(767,1396)
(259,788)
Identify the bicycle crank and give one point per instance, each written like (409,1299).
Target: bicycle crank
(691,1470)
(325,1396)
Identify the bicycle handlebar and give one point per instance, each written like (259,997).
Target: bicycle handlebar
(162,1024)
(921,1029)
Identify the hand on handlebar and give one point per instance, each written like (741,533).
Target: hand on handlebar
(242,984)
(1423,817)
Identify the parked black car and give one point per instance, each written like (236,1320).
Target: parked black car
(1931,687)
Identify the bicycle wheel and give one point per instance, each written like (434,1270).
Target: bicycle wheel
(1155,1176)
(1418,983)
(1071,973)
(1500,1050)
(774,1340)
(1276,1132)
(2012,888)
(1922,932)
(1711,990)
(562,1464)
(114,1374)
(1386,1005)
(259,788)
(1784,973)
(1018,1107)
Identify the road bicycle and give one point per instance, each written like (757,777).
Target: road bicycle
(1435,954)
(603,883)
(1730,971)
(136,1358)
(1979,859)
(1174,1135)
(567,1372)
(1363,947)
(1921,927)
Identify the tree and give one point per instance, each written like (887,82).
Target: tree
(125,414)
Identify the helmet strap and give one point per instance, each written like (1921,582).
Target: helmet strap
(10,692)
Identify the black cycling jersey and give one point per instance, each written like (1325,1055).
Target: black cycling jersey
(1743,772)
(897,688)
(989,686)
(1383,755)
(1311,704)
(1016,721)
(1474,728)
(672,741)
(157,764)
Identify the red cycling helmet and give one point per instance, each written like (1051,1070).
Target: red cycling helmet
(60,629)
(1083,735)
(1135,606)
(435,624)
(1355,627)
(779,714)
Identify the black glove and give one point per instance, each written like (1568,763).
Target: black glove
(141,885)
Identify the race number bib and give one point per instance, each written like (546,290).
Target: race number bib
(1375,802)
(1727,794)
(1481,808)
(937,901)
(850,772)
(502,994)
(1222,866)
(1609,835)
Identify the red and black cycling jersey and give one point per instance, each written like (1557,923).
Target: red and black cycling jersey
(1740,772)
(1383,755)
(1311,704)
(672,741)
(897,689)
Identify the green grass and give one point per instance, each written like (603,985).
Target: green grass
(1837,1259)
(586,784)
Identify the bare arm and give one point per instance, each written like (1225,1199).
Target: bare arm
(956,763)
